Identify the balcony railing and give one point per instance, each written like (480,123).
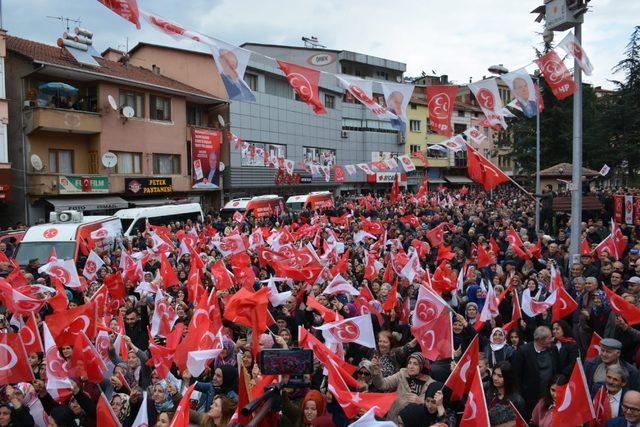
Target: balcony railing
(62,120)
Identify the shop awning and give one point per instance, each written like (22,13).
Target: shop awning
(88,203)
(456,179)
(436,181)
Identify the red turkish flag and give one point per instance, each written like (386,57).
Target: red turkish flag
(594,347)
(304,82)
(516,315)
(484,259)
(14,363)
(628,311)
(115,286)
(520,422)
(128,9)
(436,234)
(602,406)
(327,314)
(64,326)
(483,171)
(564,305)
(444,278)
(85,361)
(31,335)
(557,75)
(423,248)
(459,382)
(441,100)
(514,238)
(475,412)
(104,414)
(585,248)
(494,246)
(338,173)
(573,402)
(223,279)
(250,309)
(373,227)
(436,337)
(167,272)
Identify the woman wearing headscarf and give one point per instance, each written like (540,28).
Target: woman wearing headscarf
(497,350)
(224,382)
(471,313)
(121,408)
(597,316)
(31,401)
(312,412)
(164,398)
(227,356)
(410,383)
(15,412)
(390,357)
(432,412)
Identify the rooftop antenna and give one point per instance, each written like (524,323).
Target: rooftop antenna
(66,20)
(312,42)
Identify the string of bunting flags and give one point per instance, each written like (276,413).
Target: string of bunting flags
(232,62)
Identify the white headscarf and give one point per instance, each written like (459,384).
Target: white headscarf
(497,346)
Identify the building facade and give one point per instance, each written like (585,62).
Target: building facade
(68,115)
(5,165)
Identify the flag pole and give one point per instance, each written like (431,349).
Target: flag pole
(510,179)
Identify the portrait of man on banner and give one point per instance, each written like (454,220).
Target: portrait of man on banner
(205,154)
(397,97)
(524,91)
(232,62)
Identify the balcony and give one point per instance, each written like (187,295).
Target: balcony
(62,120)
(438,162)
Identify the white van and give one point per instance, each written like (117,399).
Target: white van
(71,234)
(135,219)
(233,206)
(315,200)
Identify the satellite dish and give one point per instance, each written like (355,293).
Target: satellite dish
(112,102)
(109,159)
(222,167)
(128,112)
(36,162)
(221,120)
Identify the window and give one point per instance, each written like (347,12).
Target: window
(61,161)
(134,100)
(129,162)
(319,156)
(414,125)
(4,153)
(329,101)
(460,159)
(458,128)
(254,153)
(159,108)
(166,164)
(414,106)
(278,87)
(460,113)
(429,130)
(195,115)
(252,81)
(351,124)
(414,148)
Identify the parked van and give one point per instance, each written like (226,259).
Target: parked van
(259,206)
(71,234)
(135,219)
(314,200)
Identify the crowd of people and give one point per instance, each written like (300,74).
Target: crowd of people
(284,282)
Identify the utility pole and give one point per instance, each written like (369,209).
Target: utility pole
(576,175)
(538,185)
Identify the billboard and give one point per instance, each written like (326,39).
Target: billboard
(205,158)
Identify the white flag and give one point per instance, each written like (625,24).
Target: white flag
(351,170)
(406,163)
(392,163)
(605,170)
(521,85)
(475,135)
(288,166)
(366,168)
(361,235)
(327,173)
(455,143)
(573,48)
(56,366)
(198,359)
(65,271)
(488,97)
(142,419)
(362,90)
(369,420)
(397,97)
(340,285)
(92,265)
(357,329)
(231,62)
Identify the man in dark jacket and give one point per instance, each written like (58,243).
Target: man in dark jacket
(536,363)
(610,350)
(136,327)
(546,212)
(630,411)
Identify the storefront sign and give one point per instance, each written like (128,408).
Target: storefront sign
(72,184)
(386,177)
(321,59)
(283,178)
(144,186)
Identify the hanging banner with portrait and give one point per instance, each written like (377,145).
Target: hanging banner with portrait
(205,158)
(522,87)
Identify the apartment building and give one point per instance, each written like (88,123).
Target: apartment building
(64,116)
(5,166)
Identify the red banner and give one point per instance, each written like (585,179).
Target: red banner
(128,9)
(304,81)
(441,99)
(618,208)
(636,210)
(205,157)
(338,173)
(557,75)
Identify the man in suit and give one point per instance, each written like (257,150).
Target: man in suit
(630,411)
(615,386)
(536,363)
(610,350)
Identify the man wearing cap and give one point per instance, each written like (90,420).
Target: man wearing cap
(610,350)
(633,285)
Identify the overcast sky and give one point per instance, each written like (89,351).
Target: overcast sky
(460,38)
